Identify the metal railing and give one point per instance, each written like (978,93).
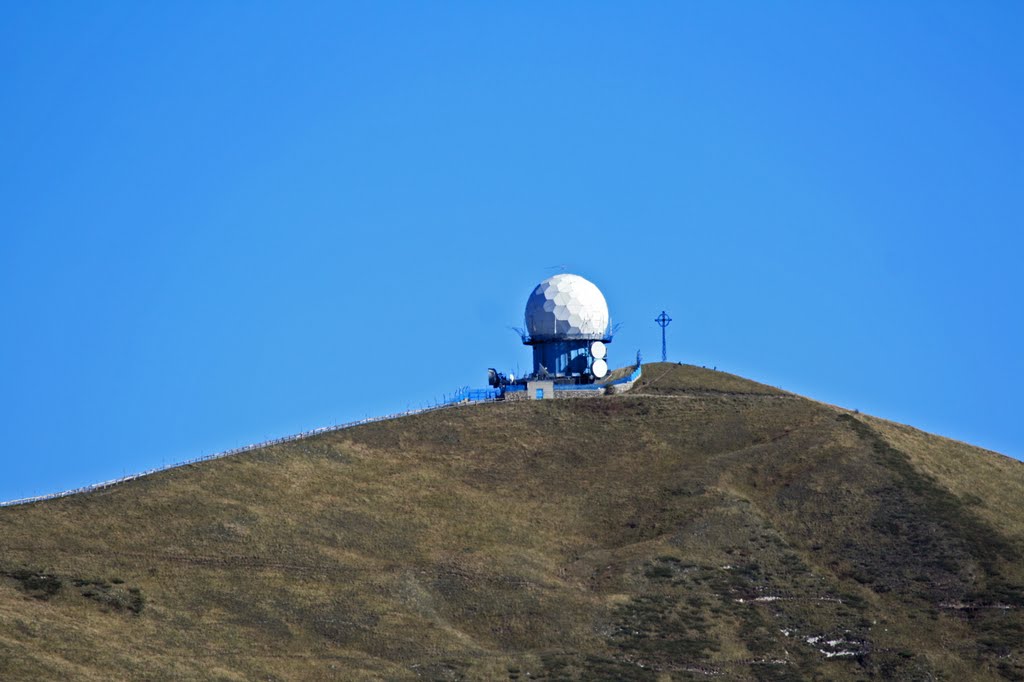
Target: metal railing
(463,397)
(636,373)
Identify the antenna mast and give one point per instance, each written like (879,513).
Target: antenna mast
(663,321)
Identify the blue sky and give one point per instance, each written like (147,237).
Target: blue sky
(229,221)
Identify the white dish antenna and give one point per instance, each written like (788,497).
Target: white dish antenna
(598,350)
(599,369)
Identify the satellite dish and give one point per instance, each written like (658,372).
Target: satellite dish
(600,368)
(598,350)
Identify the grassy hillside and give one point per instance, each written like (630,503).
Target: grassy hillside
(700,525)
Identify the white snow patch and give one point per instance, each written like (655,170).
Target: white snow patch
(741,600)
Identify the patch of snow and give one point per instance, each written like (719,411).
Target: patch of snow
(741,600)
(816,640)
(835,600)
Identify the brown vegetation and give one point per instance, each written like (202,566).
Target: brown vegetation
(701,525)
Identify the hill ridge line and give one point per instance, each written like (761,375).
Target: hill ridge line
(93,487)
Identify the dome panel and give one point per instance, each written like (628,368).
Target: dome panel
(567,307)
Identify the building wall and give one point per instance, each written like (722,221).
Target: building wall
(547,387)
(582,391)
(615,389)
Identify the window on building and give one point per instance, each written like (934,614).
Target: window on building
(540,394)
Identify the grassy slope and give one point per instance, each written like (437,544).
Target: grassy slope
(595,538)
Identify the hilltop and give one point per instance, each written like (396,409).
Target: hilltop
(700,526)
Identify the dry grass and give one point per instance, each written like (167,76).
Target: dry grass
(609,538)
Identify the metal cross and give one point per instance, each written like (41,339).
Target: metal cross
(663,321)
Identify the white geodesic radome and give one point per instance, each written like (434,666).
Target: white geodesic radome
(567,307)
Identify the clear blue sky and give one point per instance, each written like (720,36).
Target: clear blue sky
(227,221)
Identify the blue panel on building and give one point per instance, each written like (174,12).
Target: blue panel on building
(561,358)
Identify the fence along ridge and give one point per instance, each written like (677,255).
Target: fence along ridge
(244,448)
(462,397)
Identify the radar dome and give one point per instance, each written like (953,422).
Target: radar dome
(567,307)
